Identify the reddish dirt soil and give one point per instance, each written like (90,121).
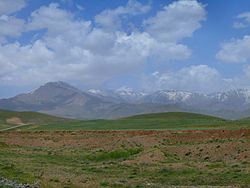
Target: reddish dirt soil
(112,139)
(176,149)
(201,145)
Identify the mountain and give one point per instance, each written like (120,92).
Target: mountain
(121,95)
(64,100)
(234,99)
(49,96)
(182,98)
(129,95)
(232,104)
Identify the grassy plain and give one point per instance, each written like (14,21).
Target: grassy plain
(159,121)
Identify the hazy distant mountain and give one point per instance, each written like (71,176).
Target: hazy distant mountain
(48,96)
(57,98)
(231,104)
(62,99)
(182,98)
(234,99)
(122,95)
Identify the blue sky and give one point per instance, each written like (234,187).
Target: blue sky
(193,45)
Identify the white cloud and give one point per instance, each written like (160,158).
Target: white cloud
(58,22)
(10,27)
(100,42)
(17,60)
(111,19)
(243,20)
(201,78)
(70,50)
(235,51)
(79,7)
(73,49)
(196,78)
(176,21)
(247,71)
(11,6)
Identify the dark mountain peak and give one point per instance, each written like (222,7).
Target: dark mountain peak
(49,94)
(59,85)
(54,89)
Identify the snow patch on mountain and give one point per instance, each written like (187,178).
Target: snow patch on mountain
(176,95)
(126,91)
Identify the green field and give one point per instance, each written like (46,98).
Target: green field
(196,150)
(170,121)
(126,159)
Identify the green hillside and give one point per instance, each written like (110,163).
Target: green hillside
(173,116)
(170,120)
(12,118)
(157,121)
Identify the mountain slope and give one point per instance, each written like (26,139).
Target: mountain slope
(232,104)
(61,99)
(57,98)
(64,100)
(50,95)
(122,95)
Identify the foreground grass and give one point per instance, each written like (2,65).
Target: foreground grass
(127,163)
(126,159)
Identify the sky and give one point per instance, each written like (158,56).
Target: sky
(191,45)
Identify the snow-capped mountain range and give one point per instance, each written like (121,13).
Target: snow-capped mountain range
(62,99)
(236,97)
(123,94)
(229,104)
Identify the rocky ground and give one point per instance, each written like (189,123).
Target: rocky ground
(4,182)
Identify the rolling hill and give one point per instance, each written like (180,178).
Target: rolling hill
(12,118)
(156,121)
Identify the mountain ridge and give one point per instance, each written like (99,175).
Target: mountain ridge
(62,99)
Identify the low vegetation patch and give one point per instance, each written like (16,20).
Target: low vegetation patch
(113,155)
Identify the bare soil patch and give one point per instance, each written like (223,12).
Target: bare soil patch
(14,121)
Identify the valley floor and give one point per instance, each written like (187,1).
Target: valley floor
(127,158)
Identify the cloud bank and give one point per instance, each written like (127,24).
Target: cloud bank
(235,51)
(64,46)
(93,51)
(243,21)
